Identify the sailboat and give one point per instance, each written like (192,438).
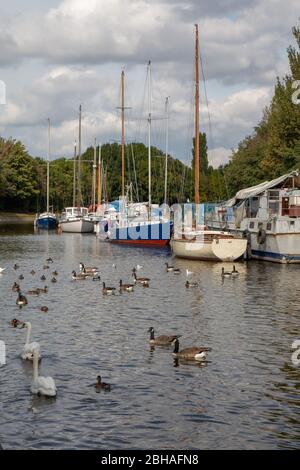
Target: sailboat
(47,220)
(75,219)
(137,225)
(197,242)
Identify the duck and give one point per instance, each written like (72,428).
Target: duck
(43,277)
(88,269)
(176,271)
(43,290)
(15,287)
(49,260)
(162,340)
(193,353)
(41,385)
(169,268)
(54,280)
(15,323)
(126,287)
(189,284)
(21,300)
(45,266)
(44,308)
(33,292)
(27,353)
(225,273)
(102,385)
(141,280)
(21,277)
(55,273)
(78,277)
(16,266)
(234,272)
(96,277)
(32,272)
(108,290)
(2,270)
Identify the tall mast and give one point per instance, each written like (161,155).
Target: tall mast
(149,136)
(48,165)
(79,159)
(99,177)
(94,174)
(167,144)
(197,124)
(123,139)
(74,174)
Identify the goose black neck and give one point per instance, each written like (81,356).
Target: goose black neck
(152,334)
(176,346)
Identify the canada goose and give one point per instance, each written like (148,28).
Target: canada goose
(16,266)
(225,273)
(162,340)
(21,277)
(234,272)
(49,260)
(32,272)
(43,290)
(41,385)
(27,353)
(193,353)
(176,271)
(169,268)
(78,277)
(44,308)
(55,273)
(191,284)
(15,287)
(33,292)
(108,290)
(54,280)
(21,300)
(45,266)
(126,287)
(141,280)
(101,385)
(43,277)
(2,270)
(88,269)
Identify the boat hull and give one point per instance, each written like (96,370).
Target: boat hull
(77,226)
(224,249)
(46,222)
(278,248)
(144,234)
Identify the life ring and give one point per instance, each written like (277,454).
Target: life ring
(261,236)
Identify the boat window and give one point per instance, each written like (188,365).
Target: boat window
(273,202)
(251,225)
(253,206)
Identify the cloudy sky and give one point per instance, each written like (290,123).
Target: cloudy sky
(57,54)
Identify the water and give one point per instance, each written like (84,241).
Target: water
(247,396)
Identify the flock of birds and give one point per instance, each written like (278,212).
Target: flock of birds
(32,351)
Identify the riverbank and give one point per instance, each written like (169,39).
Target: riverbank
(16,218)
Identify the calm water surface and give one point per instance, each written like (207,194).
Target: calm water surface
(247,396)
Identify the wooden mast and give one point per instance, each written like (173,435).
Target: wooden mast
(149,136)
(167,144)
(197,125)
(48,165)
(79,202)
(99,178)
(74,174)
(94,175)
(123,139)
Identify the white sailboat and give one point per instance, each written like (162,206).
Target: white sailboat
(198,242)
(75,219)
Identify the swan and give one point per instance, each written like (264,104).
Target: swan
(189,273)
(41,385)
(2,270)
(28,349)
(138,267)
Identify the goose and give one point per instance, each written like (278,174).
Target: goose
(101,385)
(21,277)
(127,287)
(43,290)
(176,271)
(28,349)
(108,290)
(34,292)
(88,269)
(234,272)
(96,277)
(191,284)
(32,272)
(225,273)
(141,280)
(78,277)
(2,270)
(54,280)
(15,287)
(45,266)
(21,300)
(189,273)
(16,266)
(169,268)
(44,308)
(193,353)
(43,277)
(15,323)
(49,260)
(114,266)
(55,273)
(41,385)
(162,340)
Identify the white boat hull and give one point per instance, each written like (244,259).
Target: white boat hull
(77,226)
(279,248)
(225,249)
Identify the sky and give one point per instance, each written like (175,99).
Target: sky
(57,54)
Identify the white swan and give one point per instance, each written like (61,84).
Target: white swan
(2,270)
(28,349)
(41,385)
